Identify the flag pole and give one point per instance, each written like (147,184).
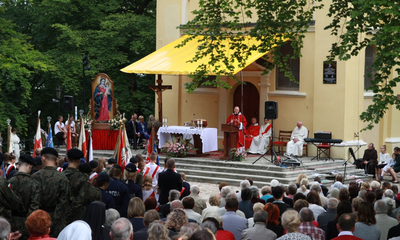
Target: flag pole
(90,141)
(9,135)
(241,107)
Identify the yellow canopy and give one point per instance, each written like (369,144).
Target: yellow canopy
(174,61)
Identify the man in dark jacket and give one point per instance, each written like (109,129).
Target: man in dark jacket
(277,194)
(132,130)
(119,191)
(168,180)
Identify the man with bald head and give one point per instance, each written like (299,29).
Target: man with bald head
(238,119)
(295,146)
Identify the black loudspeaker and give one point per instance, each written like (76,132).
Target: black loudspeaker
(68,103)
(271,110)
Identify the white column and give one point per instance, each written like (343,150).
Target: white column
(184,11)
(264,89)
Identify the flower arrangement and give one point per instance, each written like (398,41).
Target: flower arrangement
(116,122)
(87,120)
(238,154)
(178,147)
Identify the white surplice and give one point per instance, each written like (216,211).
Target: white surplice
(293,148)
(260,143)
(15,140)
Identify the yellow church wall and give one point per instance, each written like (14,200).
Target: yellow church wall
(292,107)
(167,33)
(204,106)
(391,136)
(336,106)
(326,107)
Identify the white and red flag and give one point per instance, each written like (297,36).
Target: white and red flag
(38,136)
(82,140)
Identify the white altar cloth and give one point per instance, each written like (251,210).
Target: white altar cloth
(208,136)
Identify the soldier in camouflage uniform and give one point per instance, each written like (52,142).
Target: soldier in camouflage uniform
(91,193)
(54,190)
(80,190)
(110,164)
(27,189)
(77,181)
(8,199)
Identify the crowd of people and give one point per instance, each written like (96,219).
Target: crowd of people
(137,129)
(64,197)
(378,167)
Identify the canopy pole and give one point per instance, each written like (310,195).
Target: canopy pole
(241,106)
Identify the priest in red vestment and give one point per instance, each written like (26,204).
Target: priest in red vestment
(252,131)
(237,119)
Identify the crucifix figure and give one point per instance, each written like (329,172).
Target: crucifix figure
(159,89)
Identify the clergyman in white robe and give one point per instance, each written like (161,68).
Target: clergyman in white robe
(295,145)
(260,143)
(15,140)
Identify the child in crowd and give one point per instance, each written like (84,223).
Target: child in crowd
(390,164)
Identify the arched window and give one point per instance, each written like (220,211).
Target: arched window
(283,82)
(368,69)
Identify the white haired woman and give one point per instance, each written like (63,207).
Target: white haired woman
(291,222)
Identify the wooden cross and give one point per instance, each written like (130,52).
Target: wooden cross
(159,89)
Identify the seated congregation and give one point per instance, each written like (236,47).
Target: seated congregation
(148,201)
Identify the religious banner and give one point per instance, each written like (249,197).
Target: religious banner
(103,103)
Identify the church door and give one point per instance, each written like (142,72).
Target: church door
(251,101)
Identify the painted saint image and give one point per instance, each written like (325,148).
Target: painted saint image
(103,100)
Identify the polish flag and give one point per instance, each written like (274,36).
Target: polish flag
(38,137)
(82,139)
(121,151)
(69,138)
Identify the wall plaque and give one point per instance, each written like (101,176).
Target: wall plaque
(329,76)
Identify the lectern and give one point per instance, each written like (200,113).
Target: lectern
(230,139)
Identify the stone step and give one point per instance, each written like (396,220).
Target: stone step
(260,171)
(209,170)
(290,178)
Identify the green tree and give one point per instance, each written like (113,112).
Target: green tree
(275,23)
(113,33)
(356,23)
(377,23)
(20,64)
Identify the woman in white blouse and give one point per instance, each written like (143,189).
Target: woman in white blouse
(384,158)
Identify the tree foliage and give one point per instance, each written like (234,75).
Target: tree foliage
(113,33)
(20,64)
(355,23)
(275,22)
(361,23)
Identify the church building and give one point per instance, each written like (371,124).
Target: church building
(320,106)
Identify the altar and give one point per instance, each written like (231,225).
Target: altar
(103,139)
(205,140)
